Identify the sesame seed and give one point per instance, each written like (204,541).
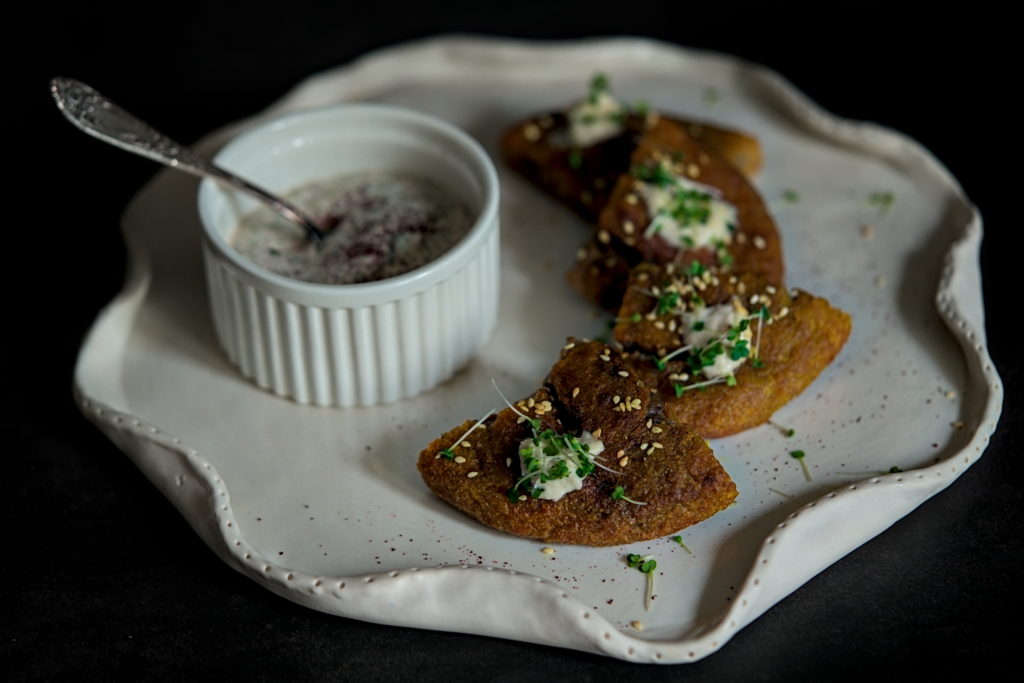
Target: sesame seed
(623,461)
(471,475)
(630,242)
(650,451)
(635,404)
(693,170)
(655,444)
(672,325)
(597,433)
(605,357)
(754,299)
(581,254)
(522,497)
(531,132)
(548,551)
(643,446)
(459,459)
(658,324)
(623,373)
(603,237)
(759,242)
(575,392)
(616,398)
(508,462)
(649,423)
(530,402)
(741,288)
(784,312)
(628,227)
(638,625)
(631,198)
(621,453)
(568,346)
(770,289)
(957,425)
(657,430)
(466,444)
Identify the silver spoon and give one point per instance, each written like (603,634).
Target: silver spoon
(101,118)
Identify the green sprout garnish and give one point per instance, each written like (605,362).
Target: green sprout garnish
(575,159)
(645,564)
(785,431)
(656,175)
(679,540)
(668,301)
(620,494)
(598,85)
(799,455)
(449,453)
(883,200)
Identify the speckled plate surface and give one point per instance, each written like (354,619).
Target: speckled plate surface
(325,507)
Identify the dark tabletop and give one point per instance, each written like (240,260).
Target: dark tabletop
(105,578)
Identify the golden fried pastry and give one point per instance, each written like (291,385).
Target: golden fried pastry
(724,351)
(588,459)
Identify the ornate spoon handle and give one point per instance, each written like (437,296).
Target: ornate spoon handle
(101,118)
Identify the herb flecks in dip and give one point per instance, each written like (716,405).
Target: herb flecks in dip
(384,224)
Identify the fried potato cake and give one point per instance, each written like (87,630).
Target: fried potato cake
(772,343)
(652,478)
(583,177)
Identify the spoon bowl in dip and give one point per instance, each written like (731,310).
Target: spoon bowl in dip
(101,118)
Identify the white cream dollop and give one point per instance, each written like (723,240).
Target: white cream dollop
(713,323)
(595,119)
(675,208)
(554,489)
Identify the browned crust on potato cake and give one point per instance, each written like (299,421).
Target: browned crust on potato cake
(755,247)
(680,480)
(803,335)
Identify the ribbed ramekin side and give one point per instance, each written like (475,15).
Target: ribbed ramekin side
(355,356)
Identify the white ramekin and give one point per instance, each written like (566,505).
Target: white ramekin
(368,343)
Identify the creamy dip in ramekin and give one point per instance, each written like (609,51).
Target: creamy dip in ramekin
(371,342)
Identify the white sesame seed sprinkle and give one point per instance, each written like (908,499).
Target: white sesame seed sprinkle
(471,475)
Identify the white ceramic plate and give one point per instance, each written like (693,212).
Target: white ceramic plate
(325,507)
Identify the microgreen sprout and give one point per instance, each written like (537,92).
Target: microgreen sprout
(799,455)
(598,85)
(620,494)
(645,564)
(575,159)
(449,453)
(782,493)
(785,431)
(679,540)
(883,200)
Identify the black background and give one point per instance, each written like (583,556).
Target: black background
(103,578)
